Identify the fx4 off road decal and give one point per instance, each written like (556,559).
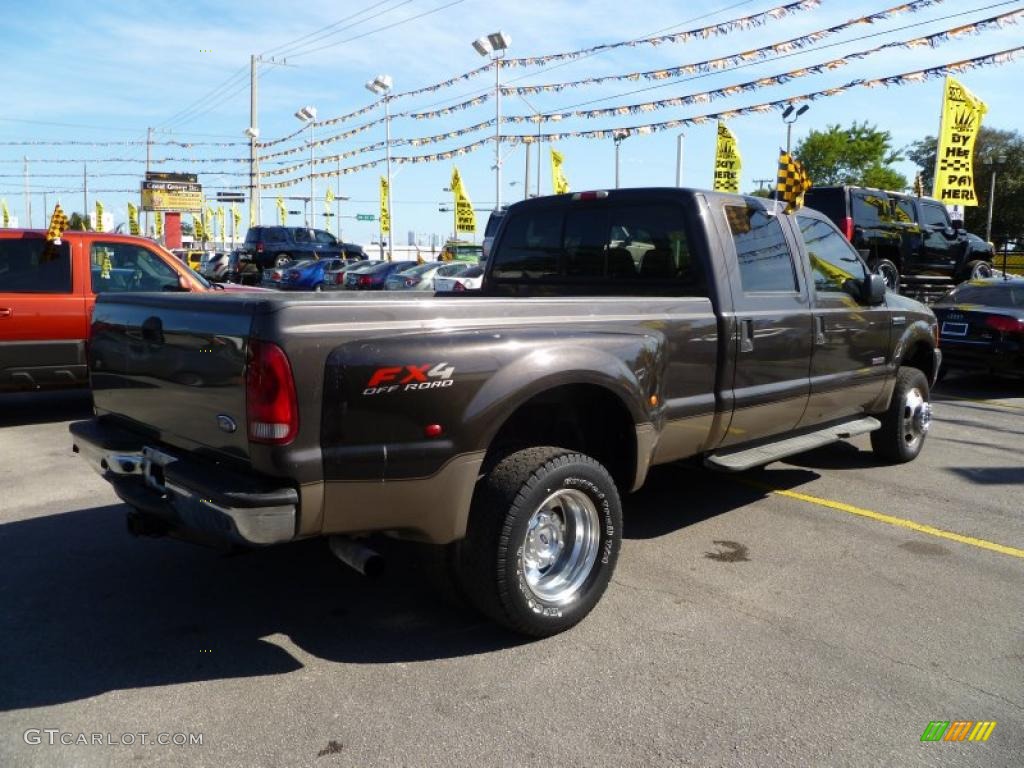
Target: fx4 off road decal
(409,378)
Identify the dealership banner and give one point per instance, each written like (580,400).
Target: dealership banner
(465,216)
(958,129)
(727,161)
(385,219)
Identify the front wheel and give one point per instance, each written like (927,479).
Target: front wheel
(890,273)
(542,541)
(905,424)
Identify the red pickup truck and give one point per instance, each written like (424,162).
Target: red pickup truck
(47,292)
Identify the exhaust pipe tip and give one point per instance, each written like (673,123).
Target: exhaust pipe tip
(357,556)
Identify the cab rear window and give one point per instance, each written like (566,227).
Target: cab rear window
(34,265)
(612,249)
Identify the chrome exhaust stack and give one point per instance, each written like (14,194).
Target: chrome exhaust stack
(356,556)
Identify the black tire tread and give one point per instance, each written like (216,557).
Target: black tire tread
(885,441)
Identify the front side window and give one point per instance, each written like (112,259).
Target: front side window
(934,215)
(34,265)
(766,264)
(325,238)
(119,267)
(834,262)
(303,236)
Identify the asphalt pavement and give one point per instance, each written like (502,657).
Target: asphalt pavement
(819,612)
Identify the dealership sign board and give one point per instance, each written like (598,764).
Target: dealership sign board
(171,192)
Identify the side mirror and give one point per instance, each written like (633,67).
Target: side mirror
(957,225)
(872,290)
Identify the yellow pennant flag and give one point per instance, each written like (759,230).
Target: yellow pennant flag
(133,219)
(792,183)
(385,219)
(958,128)
(197,228)
(727,161)
(98,224)
(236,217)
(559,184)
(282,212)
(5,213)
(58,224)
(158,221)
(220,224)
(465,216)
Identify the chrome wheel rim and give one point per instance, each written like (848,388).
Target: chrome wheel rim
(981,270)
(890,276)
(560,547)
(917,417)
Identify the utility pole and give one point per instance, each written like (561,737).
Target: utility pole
(526,182)
(85,192)
(761,183)
(254,132)
(149,146)
(337,200)
(28,196)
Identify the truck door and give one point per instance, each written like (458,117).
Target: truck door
(42,313)
(941,245)
(770,322)
(850,363)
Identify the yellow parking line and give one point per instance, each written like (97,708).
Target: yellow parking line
(897,521)
(943,396)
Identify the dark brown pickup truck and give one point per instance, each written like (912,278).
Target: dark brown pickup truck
(614,331)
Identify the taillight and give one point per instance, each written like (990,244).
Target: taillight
(259,247)
(848,228)
(365,280)
(1005,324)
(459,287)
(271,409)
(339,279)
(411,281)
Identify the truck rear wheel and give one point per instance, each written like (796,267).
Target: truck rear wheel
(543,537)
(974,270)
(905,424)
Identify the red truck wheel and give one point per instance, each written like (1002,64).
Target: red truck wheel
(543,538)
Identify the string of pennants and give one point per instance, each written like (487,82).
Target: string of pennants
(933,41)
(126,143)
(724,62)
(906,78)
(722,28)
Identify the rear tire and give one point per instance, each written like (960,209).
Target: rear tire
(543,537)
(906,422)
(890,273)
(978,269)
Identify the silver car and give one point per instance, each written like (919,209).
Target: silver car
(421,277)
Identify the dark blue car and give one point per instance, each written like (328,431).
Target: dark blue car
(308,275)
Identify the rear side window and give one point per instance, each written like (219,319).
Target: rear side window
(303,236)
(274,236)
(933,215)
(325,238)
(34,265)
(611,249)
(833,260)
(252,236)
(766,263)
(904,210)
(870,208)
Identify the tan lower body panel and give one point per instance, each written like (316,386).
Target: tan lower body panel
(681,438)
(434,509)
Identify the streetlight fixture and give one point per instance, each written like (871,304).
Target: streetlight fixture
(789,110)
(381,86)
(307,115)
(495,45)
(994,161)
(254,173)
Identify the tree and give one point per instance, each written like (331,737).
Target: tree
(1008,212)
(860,154)
(186,229)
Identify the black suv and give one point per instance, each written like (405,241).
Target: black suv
(274,246)
(906,239)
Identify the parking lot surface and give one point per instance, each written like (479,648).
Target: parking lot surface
(821,611)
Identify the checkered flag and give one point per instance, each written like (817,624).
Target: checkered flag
(793,181)
(58,223)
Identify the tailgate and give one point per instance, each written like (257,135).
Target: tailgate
(175,366)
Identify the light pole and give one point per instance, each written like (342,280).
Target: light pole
(381,86)
(307,115)
(617,137)
(789,123)
(538,119)
(495,43)
(679,159)
(254,174)
(994,161)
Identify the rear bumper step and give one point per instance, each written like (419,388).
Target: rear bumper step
(738,461)
(212,500)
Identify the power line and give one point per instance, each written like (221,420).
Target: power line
(286,49)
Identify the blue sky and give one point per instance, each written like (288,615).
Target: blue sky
(104,71)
